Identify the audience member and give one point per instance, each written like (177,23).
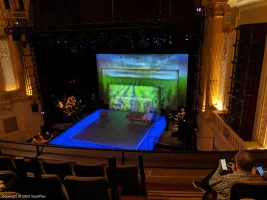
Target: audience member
(34,141)
(243,169)
(41,140)
(47,136)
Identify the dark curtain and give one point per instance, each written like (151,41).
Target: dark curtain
(61,71)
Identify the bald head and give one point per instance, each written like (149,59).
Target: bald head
(244,161)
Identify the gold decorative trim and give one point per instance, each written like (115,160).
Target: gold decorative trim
(216,9)
(6,98)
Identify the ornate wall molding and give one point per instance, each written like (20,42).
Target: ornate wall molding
(263,121)
(7,67)
(241,3)
(223,72)
(7,98)
(216,9)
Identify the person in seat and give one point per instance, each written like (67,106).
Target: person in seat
(217,186)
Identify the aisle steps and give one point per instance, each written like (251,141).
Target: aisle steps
(174,195)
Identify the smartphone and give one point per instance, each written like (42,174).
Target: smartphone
(260,170)
(224,165)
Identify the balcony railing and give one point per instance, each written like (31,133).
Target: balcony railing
(229,134)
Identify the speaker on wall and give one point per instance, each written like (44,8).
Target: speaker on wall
(35,107)
(6,3)
(16,36)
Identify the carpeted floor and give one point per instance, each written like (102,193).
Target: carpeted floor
(162,187)
(167,187)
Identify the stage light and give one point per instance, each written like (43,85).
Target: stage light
(199,9)
(73,49)
(170,39)
(186,37)
(131,44)
(16,23)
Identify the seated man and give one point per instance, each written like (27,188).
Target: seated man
(243,170)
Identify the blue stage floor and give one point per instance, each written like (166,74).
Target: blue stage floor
(112,134)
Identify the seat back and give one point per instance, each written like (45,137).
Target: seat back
(49,186)
(248,189)
(84,188)
(61,169)
(6,163)
(127,177)
(87,170)
(28,166)
(6,175)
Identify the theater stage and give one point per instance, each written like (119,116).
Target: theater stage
(115,133)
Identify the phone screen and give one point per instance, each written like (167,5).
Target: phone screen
(260,170)
(224,166)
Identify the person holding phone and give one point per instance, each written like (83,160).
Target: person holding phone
(243,169)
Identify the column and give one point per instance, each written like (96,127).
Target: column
(214,53)
(203,74)
(17,64)
(260,122)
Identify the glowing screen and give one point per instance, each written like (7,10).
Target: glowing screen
(165,71)
(133,98)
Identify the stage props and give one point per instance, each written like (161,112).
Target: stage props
(145,118)
(103,116)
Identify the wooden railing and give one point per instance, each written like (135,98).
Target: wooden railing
(230,135)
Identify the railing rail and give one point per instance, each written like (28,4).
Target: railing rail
(207,138)
(230,135)
(152,159)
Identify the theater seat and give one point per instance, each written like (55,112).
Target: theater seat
(28,166)
(84,188)
(248,190)
(6,163)
(49,185)
(89,170)
(126,176)
(59,168)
